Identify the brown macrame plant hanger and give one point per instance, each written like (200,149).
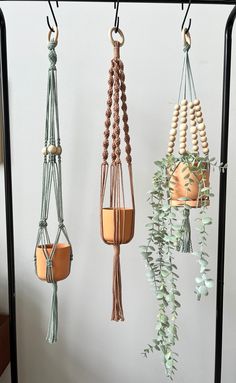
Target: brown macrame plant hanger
(117,221)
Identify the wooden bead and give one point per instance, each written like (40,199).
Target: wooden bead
(183,120)
(45,151)
(201,126)
(182,139)
(183,128)
(172,138)
(183,114)
(52,149)
(192,116)
(194,136)
(184,102)
(193,129)
(183,108)
(193,123)
(171,144)
(196,102)
(183,133)
(199,120)
(177,107)
(173,132)
(170,150)
(202,133)
(190,105)
(204,144)
(204,139)
(197,108)
(195,148)
(59,150)
(182,151)
(174,119)
(198,114)
(194,142)
(176,113)
(174,125)
(205,150)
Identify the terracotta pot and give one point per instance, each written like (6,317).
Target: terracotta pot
(60,262)
(180,191)
(122,217)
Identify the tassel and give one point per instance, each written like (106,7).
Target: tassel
(117,311)
(186,242)
(53,322)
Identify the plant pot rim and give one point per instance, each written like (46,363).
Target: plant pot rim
(118,208)
(191,203)
(58,246)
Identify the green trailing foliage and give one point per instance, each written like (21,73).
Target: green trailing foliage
(169,231)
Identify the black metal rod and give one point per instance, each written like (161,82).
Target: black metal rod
(210,2)
(223,195)
(8,200)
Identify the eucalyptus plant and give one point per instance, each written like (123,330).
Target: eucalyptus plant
(169,231)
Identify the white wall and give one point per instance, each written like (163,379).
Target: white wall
(92,349)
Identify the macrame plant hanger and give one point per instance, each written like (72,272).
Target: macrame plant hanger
(52,260)
(117,220)
(193,195)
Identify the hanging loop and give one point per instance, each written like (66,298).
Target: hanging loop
(114,42)
(53,15)
(117,19)
(56,35)
(185,17)
(186,39)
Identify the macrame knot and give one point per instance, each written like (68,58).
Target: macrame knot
(186,213)
(52,55)
(61,225)
(43,223)
(49,263)
(52,45)
(186,46)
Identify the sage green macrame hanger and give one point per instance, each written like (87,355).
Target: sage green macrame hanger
(51,179)
(187,88)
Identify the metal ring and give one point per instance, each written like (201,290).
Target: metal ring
(186,37)
(56,31)
(121,35)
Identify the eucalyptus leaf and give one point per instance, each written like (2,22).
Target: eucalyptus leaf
(209,283)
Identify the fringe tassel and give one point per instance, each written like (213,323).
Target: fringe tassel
(117,311)
(53,322)
(186,242)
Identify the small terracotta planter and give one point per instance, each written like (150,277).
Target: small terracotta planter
(122,217)
(60,263)
(180,191)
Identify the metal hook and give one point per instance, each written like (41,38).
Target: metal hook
(53,15)
(117,19)
(185,17)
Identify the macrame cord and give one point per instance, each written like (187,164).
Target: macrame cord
(198,128)
(52,179)
(116,92)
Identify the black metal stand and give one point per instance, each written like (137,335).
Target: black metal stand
(8,200)
(222,195)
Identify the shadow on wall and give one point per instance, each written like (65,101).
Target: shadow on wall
(46,362)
